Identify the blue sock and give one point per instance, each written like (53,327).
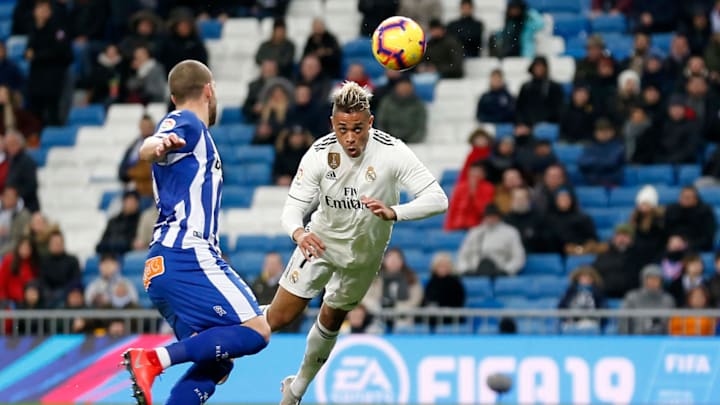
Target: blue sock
(198,383)
(218,343)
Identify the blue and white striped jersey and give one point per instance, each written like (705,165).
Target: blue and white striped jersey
(187,185)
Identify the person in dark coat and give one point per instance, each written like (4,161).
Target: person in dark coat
(10,74)
(602,161)
(311,74)
(677,60)
(586,68)
(697,30)
(496,105)
(713,283)
(88,20)
(578,118)
(183,42)
(22,173)
(105,83)
(648,222)
(655,15)
(144,31)
(278,48)
(444,54)
(678,140)
(703,105)
(568,230)
(501,158)
(49,53)
(59,271)
(540,99)
(265,286)
(554,179)
(444,289)
(323,44)
(585,292)
(526,219)
(691,218)
(467,30)
(253,104)
(309,114)
(120,231)
(618,265)
(374,12)
(692,277)
(603,87)
(290,147)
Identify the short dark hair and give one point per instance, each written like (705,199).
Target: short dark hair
(468,2)
(187,80)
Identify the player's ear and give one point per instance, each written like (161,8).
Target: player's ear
(371,120)
(172,98)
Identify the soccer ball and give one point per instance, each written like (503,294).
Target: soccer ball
(398,43)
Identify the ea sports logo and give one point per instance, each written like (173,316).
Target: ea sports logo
(364,370)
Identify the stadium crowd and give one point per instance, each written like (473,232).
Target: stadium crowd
(513,195)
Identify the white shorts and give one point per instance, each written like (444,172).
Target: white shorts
(344,287)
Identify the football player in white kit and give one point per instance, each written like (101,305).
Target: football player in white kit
(356,172)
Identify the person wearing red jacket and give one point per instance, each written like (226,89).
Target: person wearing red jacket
(481,143)
(469,199)
(16,270)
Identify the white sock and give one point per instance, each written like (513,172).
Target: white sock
(320,342)
(163,356)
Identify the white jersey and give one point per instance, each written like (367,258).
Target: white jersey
(339,182)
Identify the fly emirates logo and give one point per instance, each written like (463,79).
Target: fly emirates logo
(348,201)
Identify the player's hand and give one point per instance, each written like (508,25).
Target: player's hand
(379,209)
(170,143)
(309,243)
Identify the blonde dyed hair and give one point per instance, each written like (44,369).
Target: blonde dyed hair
(351,98)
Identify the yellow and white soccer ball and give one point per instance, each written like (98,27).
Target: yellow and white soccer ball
(398,43)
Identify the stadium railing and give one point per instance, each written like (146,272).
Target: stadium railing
(445,321)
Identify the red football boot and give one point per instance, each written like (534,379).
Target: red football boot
(143,366)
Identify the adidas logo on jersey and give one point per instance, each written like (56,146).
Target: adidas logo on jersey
(331,175)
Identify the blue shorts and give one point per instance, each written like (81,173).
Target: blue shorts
(195,289)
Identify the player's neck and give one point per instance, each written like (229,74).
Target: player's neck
(198,108)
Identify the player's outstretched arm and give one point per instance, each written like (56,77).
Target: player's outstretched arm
(155,148)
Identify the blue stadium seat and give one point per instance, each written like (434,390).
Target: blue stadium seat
(547,131)
(6,10)
(210,29)
(404,197)
(133,263)
(483,303)
(5,29)
(708,259)
(283,244)
(358,48)
(710,195)
(547,264)
(623,196)
(253,243)
(221,134)
(614,303)
(570,25)
(605,234)
(407,238)
(573,262)
(16,46)
(454,329)
(248,264)
(662,41)
(568,154)
(609,217)
(247,175)
(227,153)
(592,197)
(608,23)
(241,134)
(687,174)
(237,196)
(561,6)
(144,300)
(652,174)
(107,198)
(58,136)
(477,287)
(620,46)
(426,91)
(504,131)
(224,242)
(255,154)
(449,177)
(93,114)
(417,260)
(518,301)
(411,329)
(668,195)
(232,115)
(39,155)
(575,47)
(573,173)
(441,240)
(92,266)
(434,222)
(544,287)
(584,330)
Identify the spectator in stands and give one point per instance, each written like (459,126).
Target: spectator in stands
(374,12)
(444,54)
(554,179)
(22,17)
(391,77)
(267,285)
(678,140)
(655,15)
(702,104)
(585,292)
(324,45)
(359,320)
(618,265)
(13,116)
(678,57)
(134,172)
(634,130)
(713,283)
(49,54)
(697,298)
(655,76)
(183,41)
(253,103)
(58,271)
(525,143)
(277,104)
(648,222)
(308,113)
(16,270)
(540,99)
(75,300)
(712,56)
(10,74)
(87,23)
(578,117)
(525,218)
(14,219)
(649,296)
(586,68)
(422,11)
(671,263)
(492,248)
(148,82)
(517,37)
(613,7)
(311,74)
(711,171)
(145,228)
(22,172)
(602,161)
(496,105)
(628,95)
(39,232)
(693,219)
(397,287)
(541,158)
(278,48)
(481,144)
(501,159)
(32,300)
(4,164)
(469,199)
(444,289)
(403,113)
(290,147)
(511,180)
(144,32)
(356,73)
(603,88)
(467,30)
(569,230)
(691,277)
(104,83)
(110,289)
(120,231)
(639,54)
(697,30)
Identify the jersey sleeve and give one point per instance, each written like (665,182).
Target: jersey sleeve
(182,128)
(430,199)
(303,190)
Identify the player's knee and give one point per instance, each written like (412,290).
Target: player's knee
(260,326)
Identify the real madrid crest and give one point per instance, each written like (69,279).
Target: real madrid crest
(333,160)
(294,276)
(370,174)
